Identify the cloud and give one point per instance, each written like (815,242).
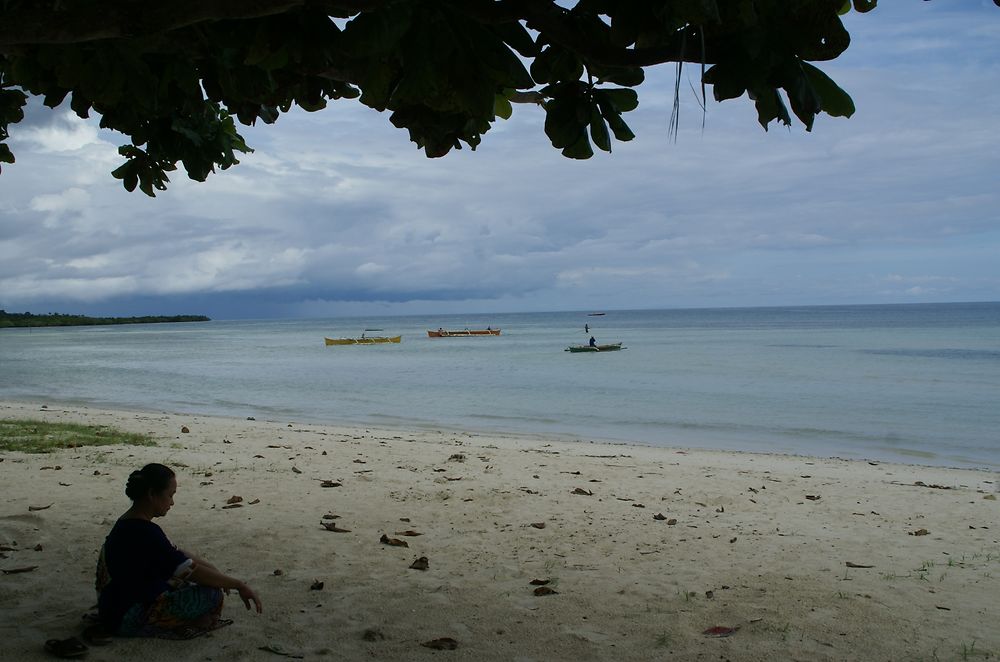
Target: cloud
(338,212)
(72,199)
(64,134)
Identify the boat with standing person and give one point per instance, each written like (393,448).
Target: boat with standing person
(613,347)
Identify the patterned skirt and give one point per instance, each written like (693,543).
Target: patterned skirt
(180,613)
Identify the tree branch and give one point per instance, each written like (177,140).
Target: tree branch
(51,22)
(557,25)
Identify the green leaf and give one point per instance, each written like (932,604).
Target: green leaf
(376,85)
(599,130)
(126,173)
(627,76)
(6,156)
(580,149)
(80,105)
(567,66)
(541,66)
(623,100)
(193,136)
(769,106)
(377,32)
(502,107)
(864,6)
(268,114)
(833,100)
(312,105)
(614,119)
(482,51)
(11,109)
(562,125)
(619,128)
(726,81)
(625,25)
(55,97)
(803,98)
(556,64)
(515,34)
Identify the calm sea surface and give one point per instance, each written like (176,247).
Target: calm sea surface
(911,383)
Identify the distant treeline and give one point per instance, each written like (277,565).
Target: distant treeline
(59,319)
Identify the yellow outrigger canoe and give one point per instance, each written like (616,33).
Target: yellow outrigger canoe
(373,340)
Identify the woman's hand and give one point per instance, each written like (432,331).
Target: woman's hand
(249,595)
(211,577)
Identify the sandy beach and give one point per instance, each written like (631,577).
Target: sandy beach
(643,550)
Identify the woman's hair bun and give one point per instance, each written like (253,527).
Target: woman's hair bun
(151,479)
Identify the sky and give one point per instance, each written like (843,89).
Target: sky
(336,213)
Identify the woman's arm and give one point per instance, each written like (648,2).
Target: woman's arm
(198,560)
(208,575)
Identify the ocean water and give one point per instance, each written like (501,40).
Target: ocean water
(911,383)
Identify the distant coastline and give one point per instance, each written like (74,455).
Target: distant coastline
(10,320)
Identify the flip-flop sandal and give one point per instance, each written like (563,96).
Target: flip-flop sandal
(66,648)
(97,635)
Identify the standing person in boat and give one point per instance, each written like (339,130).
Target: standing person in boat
(586,328)
(148,587)
(593,342)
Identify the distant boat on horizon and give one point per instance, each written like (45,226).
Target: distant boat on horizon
(373,340)
(594,314)
(444,333)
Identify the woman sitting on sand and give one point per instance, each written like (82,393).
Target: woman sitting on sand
(149,588)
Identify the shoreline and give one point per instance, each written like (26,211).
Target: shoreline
(540,437)
(758,543)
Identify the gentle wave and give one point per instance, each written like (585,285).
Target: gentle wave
(961,354)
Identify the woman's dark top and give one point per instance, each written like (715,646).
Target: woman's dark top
(139,560)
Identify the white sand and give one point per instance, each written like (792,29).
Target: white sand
(749,548)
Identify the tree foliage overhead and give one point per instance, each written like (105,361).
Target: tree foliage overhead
(175,77)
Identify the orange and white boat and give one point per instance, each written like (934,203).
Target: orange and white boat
(446,333)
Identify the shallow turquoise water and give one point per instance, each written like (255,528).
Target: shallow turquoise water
(906,383)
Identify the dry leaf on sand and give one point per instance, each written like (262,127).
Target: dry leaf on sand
(393,542)
(719,631)
(16,571)
(332,526)
(442,644)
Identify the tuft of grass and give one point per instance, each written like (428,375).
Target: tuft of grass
(29,436)
(969,650)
